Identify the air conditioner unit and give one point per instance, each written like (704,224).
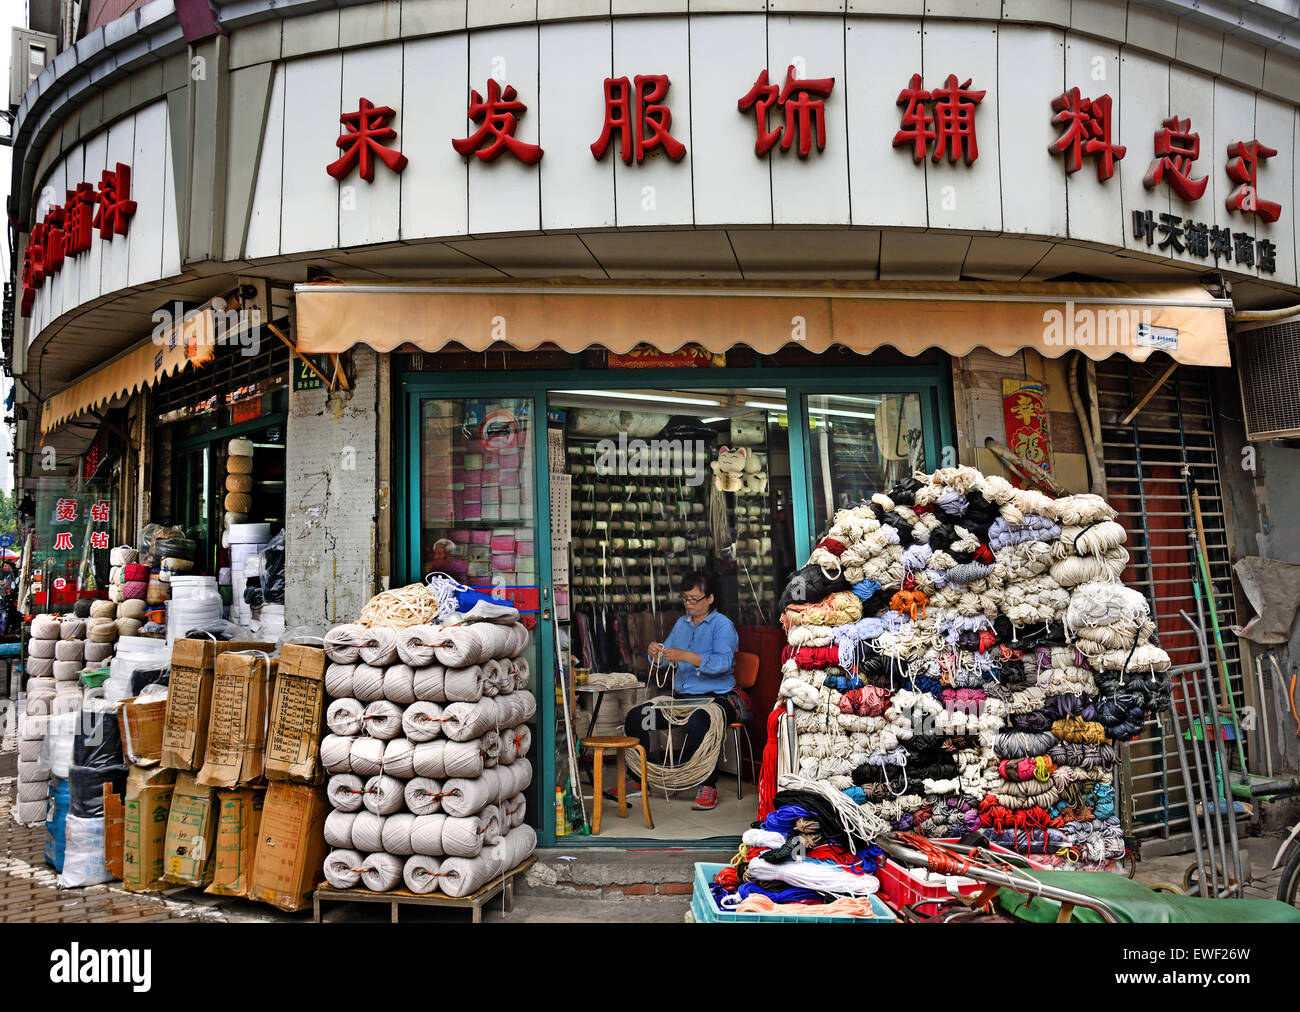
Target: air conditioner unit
(1268,368)
(31,51)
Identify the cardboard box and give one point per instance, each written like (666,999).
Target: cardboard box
(191,833)
(148,803)
(297,712)
(241,698)
(239,816)
(114,827)
(142,725)
(189,699)
(290,846)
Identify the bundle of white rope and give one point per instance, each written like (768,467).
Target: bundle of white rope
(1076,569)
(368,831)
(336,754)
(344,792)
(515,742)
(399,684)
(343,643)
(1093,539)
(379,646)
(1078,510)
(383,719)
(1104,604)
(338,680)
(464,836)
(442,758)
(463,721)
(396,836)
(464,685)
(383,794)
(465,645)
(344,717)
(427,683)
(420,873)
(426,834)
(423,796)
(1024,560)
(343,868)
(367,682)
(825,878)
(415,644)
(422,721)
(366,757)
(338,828)
(399,758)
(381,872)
(1144,657)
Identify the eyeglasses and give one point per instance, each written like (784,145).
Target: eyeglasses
(693,600)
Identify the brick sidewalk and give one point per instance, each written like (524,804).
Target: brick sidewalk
(29,889)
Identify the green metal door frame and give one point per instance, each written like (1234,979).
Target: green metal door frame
(932,381)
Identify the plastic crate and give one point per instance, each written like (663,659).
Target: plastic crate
(926,891)
(706,911)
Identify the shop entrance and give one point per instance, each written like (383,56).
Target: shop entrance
(607,505)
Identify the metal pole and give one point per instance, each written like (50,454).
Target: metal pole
(1221,753)
(1191,797)
(1210,800)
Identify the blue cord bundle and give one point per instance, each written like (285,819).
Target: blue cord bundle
(842,682)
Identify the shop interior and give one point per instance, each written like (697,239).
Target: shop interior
(647,486)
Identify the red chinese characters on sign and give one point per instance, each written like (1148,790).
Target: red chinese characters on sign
(952,125)
(115,203)
(498,115)
(1176,148)
(79,211)
(99,539)
(634,110)
(803,103)
(65,511)
(63,543)
(53,240)
(99,512)
(1243,168)
(364,130)
(1087,123)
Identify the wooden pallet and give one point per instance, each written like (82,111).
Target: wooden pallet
(398,897)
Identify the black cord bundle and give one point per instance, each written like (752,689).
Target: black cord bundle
(904,529)
(1121,714)
(1028,636)
(821,809)
(904,493)
(1017,672)
(1085,757)
(877,603)
(980,514)
(1070,704)
(810,585)
(1034,721)
(1152,691)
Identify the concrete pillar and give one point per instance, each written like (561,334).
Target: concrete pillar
(330,495)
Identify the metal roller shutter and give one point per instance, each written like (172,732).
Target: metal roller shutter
(1143,462)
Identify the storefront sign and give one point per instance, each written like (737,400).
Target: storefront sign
(951,128)
(1024,414)
(65,231)
(1172,231)
(645,357)
(1087,123)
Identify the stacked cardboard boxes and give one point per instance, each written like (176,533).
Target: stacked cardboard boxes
(198,810)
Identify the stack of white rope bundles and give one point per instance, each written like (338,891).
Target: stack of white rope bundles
(33,776)
(427,749)
(950,615)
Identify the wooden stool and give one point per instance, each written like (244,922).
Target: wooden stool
(618,742)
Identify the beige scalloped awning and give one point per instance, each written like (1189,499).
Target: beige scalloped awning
(137,368)
(1100,320)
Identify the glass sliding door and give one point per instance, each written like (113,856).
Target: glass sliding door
(859,444)
(473,488)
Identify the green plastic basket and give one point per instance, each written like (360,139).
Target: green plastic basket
(93,678)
